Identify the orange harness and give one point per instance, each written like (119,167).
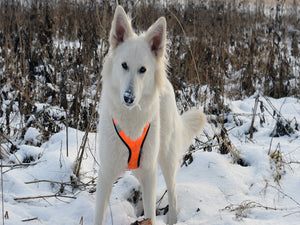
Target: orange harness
(134,146)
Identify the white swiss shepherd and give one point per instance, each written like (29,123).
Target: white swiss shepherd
(136,92)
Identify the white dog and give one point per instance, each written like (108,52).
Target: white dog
(139,123)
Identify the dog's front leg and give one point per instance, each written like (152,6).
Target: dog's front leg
(104,188)
(148,182)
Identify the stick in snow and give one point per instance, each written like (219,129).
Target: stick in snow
(44,196)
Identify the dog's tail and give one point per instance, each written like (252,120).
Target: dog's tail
(193,122)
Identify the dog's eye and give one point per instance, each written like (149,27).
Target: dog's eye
(142,70)
(125,66)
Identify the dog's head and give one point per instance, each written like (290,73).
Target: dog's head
(137,62)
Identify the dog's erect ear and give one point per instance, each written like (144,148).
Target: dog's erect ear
(120,28)
(156,37)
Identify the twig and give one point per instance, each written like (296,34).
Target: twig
(67,134)
(161,198)
(46,181)
(3,152)
(19,164)
(60,155)
(80,154)
(80,184)
(292,213)
(44,196)
(2,192)
(253,117)
(31,219)
(7,138)
(286,195)
(269,152)
(6,215)
(248,204)
(111,215)
(274,109)
(230,146)
(95,160)
(81,220)
(291,162)
(189,47)
(79,157)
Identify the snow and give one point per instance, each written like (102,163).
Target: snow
(211,190)
(32,135)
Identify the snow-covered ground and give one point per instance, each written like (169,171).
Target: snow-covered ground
(211,189)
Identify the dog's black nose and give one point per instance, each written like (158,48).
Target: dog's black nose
(128,97)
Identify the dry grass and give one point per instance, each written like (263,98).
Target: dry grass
(273,2)
(51,52)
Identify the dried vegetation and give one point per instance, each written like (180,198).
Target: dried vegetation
(51,56)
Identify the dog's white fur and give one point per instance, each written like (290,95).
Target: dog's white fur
(153,102)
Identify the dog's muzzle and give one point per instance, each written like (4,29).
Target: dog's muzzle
(128,98)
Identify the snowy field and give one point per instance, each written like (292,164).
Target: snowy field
(38,185)
(212,189)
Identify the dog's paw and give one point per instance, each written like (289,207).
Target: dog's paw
(142,222)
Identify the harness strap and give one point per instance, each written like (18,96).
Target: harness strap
(134,146)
